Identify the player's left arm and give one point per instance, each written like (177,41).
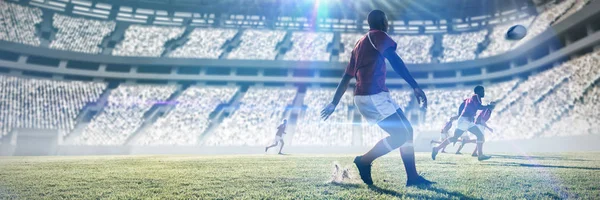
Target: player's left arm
(486,126)
(400,68)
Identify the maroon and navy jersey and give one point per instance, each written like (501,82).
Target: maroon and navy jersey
(280,129)
(367,63)
(483,116)
(447,127)
(472,104)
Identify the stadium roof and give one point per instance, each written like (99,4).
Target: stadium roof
(347,9)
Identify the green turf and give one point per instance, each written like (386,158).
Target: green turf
(547,176)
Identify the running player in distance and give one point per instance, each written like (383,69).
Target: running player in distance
(481,123)
(445,133)
(466,122)
(279,136)
(373,100)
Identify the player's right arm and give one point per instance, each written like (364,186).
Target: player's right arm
(339,92)
(341,89)
(400,68)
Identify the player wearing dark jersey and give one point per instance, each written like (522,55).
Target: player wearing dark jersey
(279,136)
(373,101)
(466,122)
(445,133)
(481,123)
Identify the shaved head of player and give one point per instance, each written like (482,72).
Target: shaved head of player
(373,100)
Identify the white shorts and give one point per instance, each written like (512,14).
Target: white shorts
(464,123)
(277,139)
(375,108)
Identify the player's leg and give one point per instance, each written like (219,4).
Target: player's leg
(401,135)
(454,138)
(474,154)
(393,125)
(273,145)
(445,138)
(462,144)
(281,147)
(464,140)
(480,140)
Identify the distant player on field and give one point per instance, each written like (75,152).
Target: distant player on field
(464,139)
(481,123)
(466,123)
(279,136)
(373,100)
(445,132)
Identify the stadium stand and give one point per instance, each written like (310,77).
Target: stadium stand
(309,46)
(528,117)
(348,40)
(545,19)
(43,104)
(414,48)
(257,45)
(461,47)
(123,114)
(254,123)
(498,44)
(204,43)
(189,119)
(79,34)
(146,41)
(312,130)
(17,23)
(583,119)
(578,5)
(535,86)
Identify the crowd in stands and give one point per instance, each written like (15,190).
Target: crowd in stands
(578,5)
(312,130)
(497,42)
(583,119)
(348,41)
(545,19)
(461,47)
(123,114)
(536,86)
(411,48)
(257,45)
(255,122)
(204,43)
(85,35)
(80,34)
(146,41)
(18,23)
(414,48)
(309,46)
(529,117)
(188,119)
(43,104)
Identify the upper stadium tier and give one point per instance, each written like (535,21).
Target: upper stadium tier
(449,46)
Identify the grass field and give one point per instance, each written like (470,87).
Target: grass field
(506,176)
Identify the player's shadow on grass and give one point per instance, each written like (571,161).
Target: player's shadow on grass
(537,158)
(441,191)
(514,164)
